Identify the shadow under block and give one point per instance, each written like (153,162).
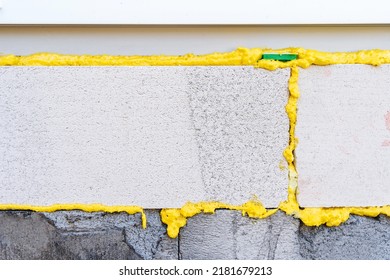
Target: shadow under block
(156,137)
(343,127)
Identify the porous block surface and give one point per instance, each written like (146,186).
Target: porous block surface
(156,137)
(343,127)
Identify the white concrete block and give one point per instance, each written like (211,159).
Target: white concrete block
(343,156)
(141,135)
(241,129)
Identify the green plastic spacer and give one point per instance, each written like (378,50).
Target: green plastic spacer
(280,56)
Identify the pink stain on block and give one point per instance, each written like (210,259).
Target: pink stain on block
(387,120)
(386,143)
(328,72)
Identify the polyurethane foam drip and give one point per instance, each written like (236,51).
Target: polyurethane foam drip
(177,218)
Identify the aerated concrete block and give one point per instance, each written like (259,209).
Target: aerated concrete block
(241,129)
(156,137)
(228,235)
(343,127)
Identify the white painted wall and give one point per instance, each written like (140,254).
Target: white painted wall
(194,12)
(180,40)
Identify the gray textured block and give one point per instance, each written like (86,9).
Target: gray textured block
(359,238)
(225,235)
(228,235)
(79,235)
(149,243)
(109,244)
(150,136)
(28,235)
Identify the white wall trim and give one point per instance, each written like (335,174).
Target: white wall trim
(200,12)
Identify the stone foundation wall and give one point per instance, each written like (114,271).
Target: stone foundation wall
(224,235)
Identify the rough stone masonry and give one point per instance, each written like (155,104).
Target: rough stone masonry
(225,235)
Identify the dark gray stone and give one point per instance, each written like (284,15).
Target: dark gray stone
(105,245)
(80,235)
(26,235)
(224,235)
(29,235)
(149,243)
(359,238)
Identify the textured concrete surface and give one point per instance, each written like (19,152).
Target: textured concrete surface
(228,235)
(149,243)
(360,238)
(78,235)
(150,136)
(225,235)
(26,235)
(241,132)
(97,134)
(343,156)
